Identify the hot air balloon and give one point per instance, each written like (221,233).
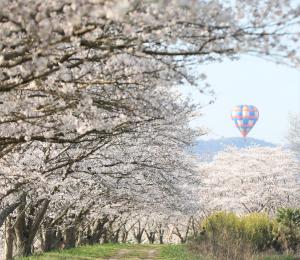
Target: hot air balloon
(244,117)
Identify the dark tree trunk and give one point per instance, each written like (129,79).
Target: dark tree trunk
(9,240)
(161,239)
(20,231)
(89,239)
(161,236)
(139,238)
(98,230)
(51,240)
(105,236)
(79,240)
(161,233)
(25,233)
(70,237)
(151,237)
(138,234)
(124,236)
(115,236)
(51,234)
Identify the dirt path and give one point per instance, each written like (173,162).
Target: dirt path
(120,255)
(152,254)
(135,254)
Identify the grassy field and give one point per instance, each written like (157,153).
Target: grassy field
(130,252)
(119,251)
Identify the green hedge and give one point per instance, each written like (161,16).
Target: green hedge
(259,230)
(229,235)
(255,229)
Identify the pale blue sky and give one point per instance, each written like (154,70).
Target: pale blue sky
(274,89)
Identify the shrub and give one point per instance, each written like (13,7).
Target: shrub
(223,237)
(258,230)
(227,236)
(288,228)
(222,224)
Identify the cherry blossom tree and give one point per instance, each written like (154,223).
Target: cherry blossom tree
(250,179)
(74,67)
(91,123)
(134,170)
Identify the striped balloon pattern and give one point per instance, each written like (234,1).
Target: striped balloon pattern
(244,117)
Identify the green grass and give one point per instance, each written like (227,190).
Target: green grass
(131,252)
(280,257)
(175,252)
(121,251)
(84,252)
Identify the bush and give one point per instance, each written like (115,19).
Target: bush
(258,230)
(288,229)
(223,237)
(222,225)
(227,236)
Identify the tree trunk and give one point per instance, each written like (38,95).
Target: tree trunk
(25,234)
(88,234)
(79,240)
(20,230)
(115,236)
(105,239)
(138,234)
(98,230)
(70,237)
(124,236)
(161,233)
(9,240)
(50,240)
(161,239)
(151,236)
(139,239)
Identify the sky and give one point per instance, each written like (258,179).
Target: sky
(274,89)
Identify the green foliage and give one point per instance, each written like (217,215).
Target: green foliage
(255,228)
(288,217)
(223,237)
(288,228)
(228,236)
(258,230)
(222,222)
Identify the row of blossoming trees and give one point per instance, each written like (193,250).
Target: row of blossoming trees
(93,130)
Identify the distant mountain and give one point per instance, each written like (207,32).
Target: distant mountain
(208,148)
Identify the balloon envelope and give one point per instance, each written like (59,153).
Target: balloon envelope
(244,117)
